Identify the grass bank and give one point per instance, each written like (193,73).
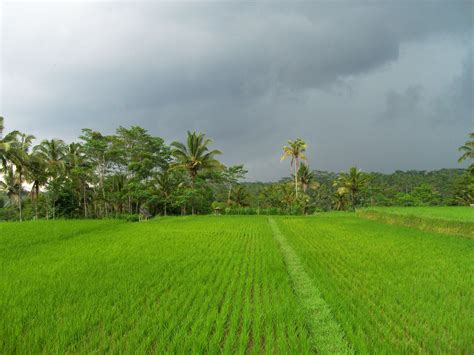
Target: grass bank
(447,220)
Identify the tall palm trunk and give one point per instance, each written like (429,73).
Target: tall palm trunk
(354,200)
(102,187)
(36,199)
(54,207)
(193,182)
(85,201)
(228,194)
(20,177)
(296,177)
(47,208)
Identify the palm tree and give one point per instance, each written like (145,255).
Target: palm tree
(37,176)
(468,152)
(53,153)
(4,144)
(76,167)
(166,184)
(306,177)
(195,156)
(118,183)
(10,184)
(354,181)
(240,196)
(296,150)
(18,154)
(287,199)
(340,199)
(467,149)
(73,156)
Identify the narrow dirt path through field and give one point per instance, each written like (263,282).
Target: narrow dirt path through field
(328,337)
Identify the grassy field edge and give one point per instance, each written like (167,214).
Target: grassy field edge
(427,224)
(327,333)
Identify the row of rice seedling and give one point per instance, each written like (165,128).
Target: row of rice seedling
(392,289)
(327,335)
(207,284)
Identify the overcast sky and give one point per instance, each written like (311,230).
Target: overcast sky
(381,85)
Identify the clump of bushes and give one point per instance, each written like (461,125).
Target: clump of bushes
(251,211)
(126,217)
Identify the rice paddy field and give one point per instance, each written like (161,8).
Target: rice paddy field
(332,283)
(449,220)
(458,213)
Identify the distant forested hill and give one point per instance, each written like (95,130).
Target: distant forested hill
(412,187)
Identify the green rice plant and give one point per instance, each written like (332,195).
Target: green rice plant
(392,289)
(327,334)
(451,213)
(449,220)
(229,284)
(186,285)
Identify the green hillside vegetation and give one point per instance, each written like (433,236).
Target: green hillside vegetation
(132,174)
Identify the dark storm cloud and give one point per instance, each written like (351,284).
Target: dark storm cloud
(251,75)
(401,105)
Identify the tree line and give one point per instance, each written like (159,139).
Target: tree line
(132,173)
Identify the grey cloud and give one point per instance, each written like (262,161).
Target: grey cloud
(402,105)
(456,104)
(251,75)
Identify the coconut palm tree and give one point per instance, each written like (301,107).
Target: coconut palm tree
(240,196)
(18,154)
(53,153)
(4,144)
(117,187)
(354,181)
(467,149)
(468,152)
(340,199)
(195,156)
(78,169)
(10,185)
(36,175)
(166,184)
(72,156)
(287,198)
(307,178)
(296,151)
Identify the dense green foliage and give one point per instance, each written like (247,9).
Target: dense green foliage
(132,174)
(401,188)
